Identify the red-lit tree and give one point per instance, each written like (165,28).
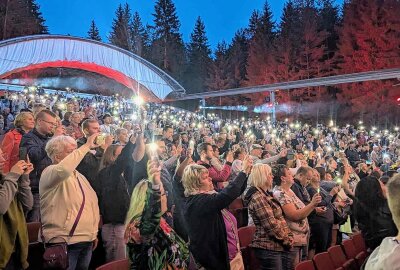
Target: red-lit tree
(370,40)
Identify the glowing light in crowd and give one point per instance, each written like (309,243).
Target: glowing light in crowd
(138,100)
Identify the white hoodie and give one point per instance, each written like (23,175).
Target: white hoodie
(386,256)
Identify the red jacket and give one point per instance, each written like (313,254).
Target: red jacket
(10,148)
(218,177)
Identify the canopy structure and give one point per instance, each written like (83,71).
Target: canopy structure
(84,65)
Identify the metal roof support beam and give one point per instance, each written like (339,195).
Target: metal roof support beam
(324,81)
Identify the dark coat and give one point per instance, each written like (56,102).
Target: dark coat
(90,164)
(375,224)
(112,189)
(35,144)
(206,227)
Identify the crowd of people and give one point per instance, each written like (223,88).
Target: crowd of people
(155,186)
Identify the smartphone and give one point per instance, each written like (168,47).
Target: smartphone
(100,139)
(23,153)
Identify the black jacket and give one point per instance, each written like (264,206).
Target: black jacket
(326,201)
(35,144)
(90,164)
(112,189)
(206,227)
(375,224)
(301,192)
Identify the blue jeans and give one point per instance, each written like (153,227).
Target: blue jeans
(79,255)
(274,260)
(113,241)
(34,214)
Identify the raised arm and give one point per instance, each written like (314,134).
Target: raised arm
(294,214)
(55,174)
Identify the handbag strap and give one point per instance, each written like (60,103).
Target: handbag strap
(233,227)
(71,233)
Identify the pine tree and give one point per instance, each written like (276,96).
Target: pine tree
(167,48)
(254,23)
(219,75)
(140,37)
(120,34)
(259,63)
(20,18)
(237,58)
(93,32)
(199,59)
(329,20)
(370,40)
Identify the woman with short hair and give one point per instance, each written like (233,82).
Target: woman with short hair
(212,230)
(272,239)
(68,203)
(24,122)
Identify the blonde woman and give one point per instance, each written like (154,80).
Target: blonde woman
(212,230)
(24,122)
(273,239)
(152,243)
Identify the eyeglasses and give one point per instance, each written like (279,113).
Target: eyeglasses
(50,123)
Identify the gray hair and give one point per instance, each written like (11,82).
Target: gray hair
(119,131)
(57,144)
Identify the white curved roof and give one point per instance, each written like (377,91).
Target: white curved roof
(22,52)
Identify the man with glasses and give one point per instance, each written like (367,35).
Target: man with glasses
(35,142)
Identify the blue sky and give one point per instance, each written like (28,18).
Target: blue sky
(222,18)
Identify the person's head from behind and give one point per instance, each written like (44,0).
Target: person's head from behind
(282,176)
(393,194)
(66,116)
(261,177)
(25,121)
(239,154)
(138,201)
(110,155)
(196,180)
(46,122)
(369,194)
(59,147)
(90,127)
(205,151)
(305,175)
(37,108)
(256,150)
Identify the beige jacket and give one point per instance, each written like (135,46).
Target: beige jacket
(61,199)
